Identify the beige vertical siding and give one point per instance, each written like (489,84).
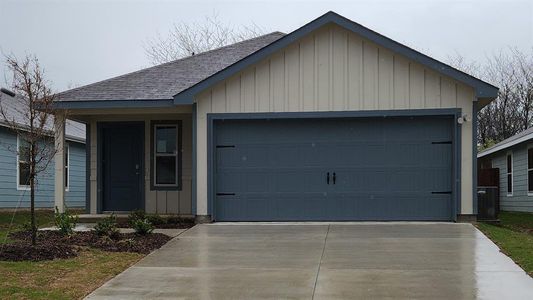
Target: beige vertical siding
(332,70)
(162,202)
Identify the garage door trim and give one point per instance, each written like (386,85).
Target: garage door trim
(456,141)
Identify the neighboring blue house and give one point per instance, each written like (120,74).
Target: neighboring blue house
(514,158)
(13,190)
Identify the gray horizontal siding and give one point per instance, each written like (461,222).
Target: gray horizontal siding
(10,197)
(519,201)
(75,197)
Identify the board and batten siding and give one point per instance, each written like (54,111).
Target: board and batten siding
(156,201)
(11,197)
(520,200)
(333,69)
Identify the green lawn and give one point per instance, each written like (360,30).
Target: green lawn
(58,279)
(10,221)
(514,236)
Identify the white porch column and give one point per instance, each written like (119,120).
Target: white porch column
(59,189)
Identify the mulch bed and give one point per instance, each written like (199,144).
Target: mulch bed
(22,251)
(174,225)
(182,224)
(53,244)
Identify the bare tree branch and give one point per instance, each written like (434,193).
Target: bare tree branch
(30,115)
(186,39)
(512,111)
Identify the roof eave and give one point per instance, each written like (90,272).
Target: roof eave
(501,147)
(108,104)
(68,137)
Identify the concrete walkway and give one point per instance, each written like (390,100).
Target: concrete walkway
(324,261)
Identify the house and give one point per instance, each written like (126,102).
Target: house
(330,122)
(514,159)
(14,170)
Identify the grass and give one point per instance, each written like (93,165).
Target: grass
(58,279)
(514,236)
(42,218)
(62,279)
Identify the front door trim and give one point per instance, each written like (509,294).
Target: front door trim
(100,126)
(454,112)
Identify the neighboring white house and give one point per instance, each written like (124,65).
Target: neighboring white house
(330,122)
(514,159)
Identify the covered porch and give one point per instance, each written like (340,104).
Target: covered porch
(137,159)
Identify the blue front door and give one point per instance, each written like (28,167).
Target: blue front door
(122,166)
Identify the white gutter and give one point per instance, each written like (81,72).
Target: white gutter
(506,145)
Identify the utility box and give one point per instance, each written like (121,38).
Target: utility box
(488,194)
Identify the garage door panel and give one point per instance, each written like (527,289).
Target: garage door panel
(401,206)
(385,169)
(308,179)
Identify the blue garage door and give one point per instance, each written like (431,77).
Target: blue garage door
(333,169)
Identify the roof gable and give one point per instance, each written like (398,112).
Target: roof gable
(482,89)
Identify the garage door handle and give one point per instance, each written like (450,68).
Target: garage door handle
(327,178)
(334,177)
(444,192)
(225,194)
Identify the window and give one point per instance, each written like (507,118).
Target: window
(23,164)
(530,170)
(509,174)
(166,156)
(67,164)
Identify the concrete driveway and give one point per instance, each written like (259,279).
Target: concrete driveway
(324,261)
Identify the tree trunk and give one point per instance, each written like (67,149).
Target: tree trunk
(32,208)
(32,195)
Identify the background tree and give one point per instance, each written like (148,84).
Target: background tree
(30,116)
(186,39)
(512,111)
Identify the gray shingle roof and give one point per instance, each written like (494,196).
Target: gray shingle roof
(15,108)
(163,81)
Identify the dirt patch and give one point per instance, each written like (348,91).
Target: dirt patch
(53,244)
(24,251)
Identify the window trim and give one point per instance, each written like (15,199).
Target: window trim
(20,187)
(529,146)
(507,173)
(166,187)
(67,167)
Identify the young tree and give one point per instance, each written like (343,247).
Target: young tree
(186,39)
(29,114)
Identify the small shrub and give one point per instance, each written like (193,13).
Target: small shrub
(66,222)
(26,226)
(127,242)
(136,215)
(156,220)
(174,220)
(107,227)
(142,226)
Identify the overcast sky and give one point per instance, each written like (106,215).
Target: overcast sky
(79,42)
